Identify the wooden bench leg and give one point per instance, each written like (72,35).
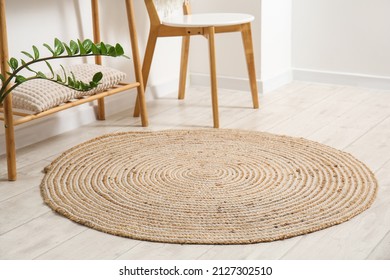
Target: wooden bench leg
(10,139)
(185,48)
(101,110)
(250,60)
(213,75)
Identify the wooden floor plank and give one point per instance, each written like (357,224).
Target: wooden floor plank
(21,209)
(37,236)
(161,251)
(90,245)
(382,250)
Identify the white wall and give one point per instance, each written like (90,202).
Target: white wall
(275,43)
(272,44)
(342,41)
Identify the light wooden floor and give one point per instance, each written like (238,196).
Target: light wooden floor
(355,120)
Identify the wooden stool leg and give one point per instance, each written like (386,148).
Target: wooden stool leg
(148,58)
(185,48)
(250,60)
(213,75)
(141,102)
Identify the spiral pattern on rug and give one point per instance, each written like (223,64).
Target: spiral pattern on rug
(207,186)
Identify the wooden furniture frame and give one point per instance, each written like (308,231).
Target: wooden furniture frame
(12,118)
(158,29)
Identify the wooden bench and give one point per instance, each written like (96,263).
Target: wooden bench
(12,116)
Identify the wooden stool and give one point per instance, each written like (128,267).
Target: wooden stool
(200,24)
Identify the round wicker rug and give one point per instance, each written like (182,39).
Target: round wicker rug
(207,186)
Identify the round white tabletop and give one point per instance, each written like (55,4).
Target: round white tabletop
(206,20)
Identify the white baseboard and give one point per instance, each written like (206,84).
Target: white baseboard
(67,120)
(161,90)
(351,79)
(277,81)
(200,79)
(242,83)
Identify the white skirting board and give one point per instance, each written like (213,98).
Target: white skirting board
(351,79)
(235,83)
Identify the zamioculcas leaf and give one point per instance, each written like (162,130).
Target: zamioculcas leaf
(50,68)
(41,75)
(59,47)
(95,49)
(70,82)
(119,50)
(28,55)
(63,71)
(68,50)
(50,49)
(103,48)
(74,47)
(13,63)
(87,44)
(2,78)
(36,52)
(97,77)
(73,78)
(81,47)
(20,79)
(59,78)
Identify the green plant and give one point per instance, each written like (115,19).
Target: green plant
(59,51)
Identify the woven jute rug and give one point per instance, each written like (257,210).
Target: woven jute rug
(207,186)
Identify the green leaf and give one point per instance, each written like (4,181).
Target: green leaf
(81,47)
(36,52)
(28,55)
(70,82)
(50,49)
(84,86)
(51,69)
(119,50)
(63,71)
(112,51)
(103,48)
(20,79)
(97,77)
(13,63)
(95,49)
(59,79)
(87,44)
(41,75)
(76,84)
(93,84)
(73,77)
(74,47)
(59,47)
(68,50)
(2,78)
